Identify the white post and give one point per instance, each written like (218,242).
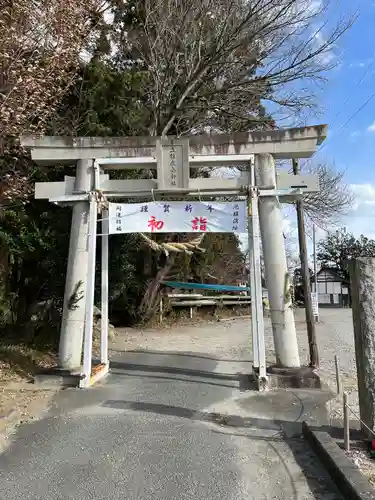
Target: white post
(315,266)
(254,329)
(73,319)
(338,375)
(271,226)
(257,322)
(104,290)
(346,422)
(90,291)
(257,295)
(161,310)
(315,276)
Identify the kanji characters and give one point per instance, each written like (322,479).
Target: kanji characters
(235,220)
(144,208)
(154,224)
(199,224)
(118,218)
(173,165)
(166,208)
(172,153)
(118,210)
(188,208)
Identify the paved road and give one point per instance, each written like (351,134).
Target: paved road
(154,430)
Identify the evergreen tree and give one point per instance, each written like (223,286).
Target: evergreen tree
(340,247)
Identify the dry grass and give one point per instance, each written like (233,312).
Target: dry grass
(361,457)
(19,362)
(18,397)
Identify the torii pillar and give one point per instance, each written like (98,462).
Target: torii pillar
(215,150)
(73,318)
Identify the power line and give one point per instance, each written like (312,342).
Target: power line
(343,126)
(360,81)
(372,61)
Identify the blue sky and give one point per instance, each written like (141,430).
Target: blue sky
(351,146)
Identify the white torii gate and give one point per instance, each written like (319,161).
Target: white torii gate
(85,191)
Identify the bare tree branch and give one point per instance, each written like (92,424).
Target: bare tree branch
(334,198)
(206,58)
(41,45)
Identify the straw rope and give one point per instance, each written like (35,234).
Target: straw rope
(188,247)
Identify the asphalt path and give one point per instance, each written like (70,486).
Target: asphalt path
(169,426)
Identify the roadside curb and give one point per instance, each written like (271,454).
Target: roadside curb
(344,473)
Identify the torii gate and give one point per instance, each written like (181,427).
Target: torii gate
(172,158)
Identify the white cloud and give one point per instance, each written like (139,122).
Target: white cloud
(328,56)
(357,64)
(361,218)
(355,134)
(371,128)
(313,7)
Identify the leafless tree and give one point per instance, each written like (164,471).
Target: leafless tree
(292,258)
(41,46)
(334,198)
(211,62)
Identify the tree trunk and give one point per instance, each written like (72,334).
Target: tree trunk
(150,299)
(26,306)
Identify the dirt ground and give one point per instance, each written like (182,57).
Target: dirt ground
(20,401)
(360,456)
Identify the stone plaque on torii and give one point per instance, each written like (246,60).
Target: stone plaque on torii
(172,158)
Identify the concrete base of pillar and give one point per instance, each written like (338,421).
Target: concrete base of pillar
(289,378)
(55,377)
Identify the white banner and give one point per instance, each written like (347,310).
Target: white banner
(177,217)
(314,303)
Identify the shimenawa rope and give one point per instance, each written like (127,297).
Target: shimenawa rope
(166,247)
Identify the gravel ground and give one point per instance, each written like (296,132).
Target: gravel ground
(334,333)
(335,337)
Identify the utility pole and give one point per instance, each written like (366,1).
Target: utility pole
(315,267)
(311,333)
(315,277)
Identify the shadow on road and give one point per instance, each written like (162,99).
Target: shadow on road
(181,354)
(166,370)
(288,432)
(284,427)
(173,370)
(242,383)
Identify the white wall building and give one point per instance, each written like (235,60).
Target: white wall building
(333,291)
